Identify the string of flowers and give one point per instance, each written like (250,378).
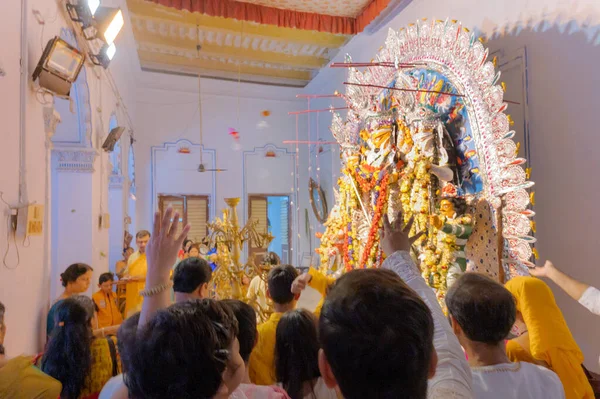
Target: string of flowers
(367,177)
(369,257)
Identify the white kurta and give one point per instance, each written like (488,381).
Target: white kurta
(591,300)
(452,378)
(516,381)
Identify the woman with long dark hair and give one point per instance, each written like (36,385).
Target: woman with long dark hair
(82,363)
(296,357)
(76,280)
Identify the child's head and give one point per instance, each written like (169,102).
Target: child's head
(280,284)
(246,318)
(371,320)
(296,351)
(105,282)
(126,338)
(191,277)
(195,345)
(480,310)
(194,251)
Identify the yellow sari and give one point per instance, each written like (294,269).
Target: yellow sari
(133,299)
(550,338)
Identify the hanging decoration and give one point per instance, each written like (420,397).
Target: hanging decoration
(263,124)
(426,133)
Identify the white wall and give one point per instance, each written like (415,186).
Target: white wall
(27,288)
(167,111)
(563,89)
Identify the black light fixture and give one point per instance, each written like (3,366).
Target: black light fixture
(105,56)
(112,138)
(59,66)
(82,11)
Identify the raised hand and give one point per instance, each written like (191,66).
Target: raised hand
(164,245)
(300,283)
(161,253)
(543,271)
(394,237)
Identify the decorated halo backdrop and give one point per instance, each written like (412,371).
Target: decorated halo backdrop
(440,68)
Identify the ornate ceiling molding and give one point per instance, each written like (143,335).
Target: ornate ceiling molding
(230,48)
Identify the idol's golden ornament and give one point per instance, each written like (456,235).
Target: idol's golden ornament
(231,277)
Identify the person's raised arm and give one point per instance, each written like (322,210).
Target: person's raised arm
(574,288)
(162,253)
(587,295)
(452,376)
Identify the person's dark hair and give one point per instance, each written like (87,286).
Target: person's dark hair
(185,243)
(483,308)
(68,356)
(104,277)
(190,274)
(280,283)
(460,205)
(271,259)
(73,272)
(296,351)
(142,233)
(190,341)
(246,318)
(126,336)
(371,320)
(126,249)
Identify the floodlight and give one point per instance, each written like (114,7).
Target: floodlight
(105,56)
(109,22)
(82,10)
(59,66)
(112,138)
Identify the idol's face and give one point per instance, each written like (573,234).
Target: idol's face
(447,208)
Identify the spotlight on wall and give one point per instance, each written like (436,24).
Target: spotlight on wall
(108,24)
(105,56)
(58,67)
(82,10)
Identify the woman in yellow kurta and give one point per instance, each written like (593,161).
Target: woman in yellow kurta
(550,340)
(137,272)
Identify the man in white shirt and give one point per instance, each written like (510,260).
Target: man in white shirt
(481,313)
(384,335)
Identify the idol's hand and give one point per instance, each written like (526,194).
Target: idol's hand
(164,246)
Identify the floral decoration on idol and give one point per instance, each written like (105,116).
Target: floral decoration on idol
(426,132)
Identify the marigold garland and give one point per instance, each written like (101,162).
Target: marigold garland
(370,250)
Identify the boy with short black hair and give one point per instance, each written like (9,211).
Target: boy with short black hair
(106,301)
(191,278)
(383,334)
(482,313)
(262,360)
